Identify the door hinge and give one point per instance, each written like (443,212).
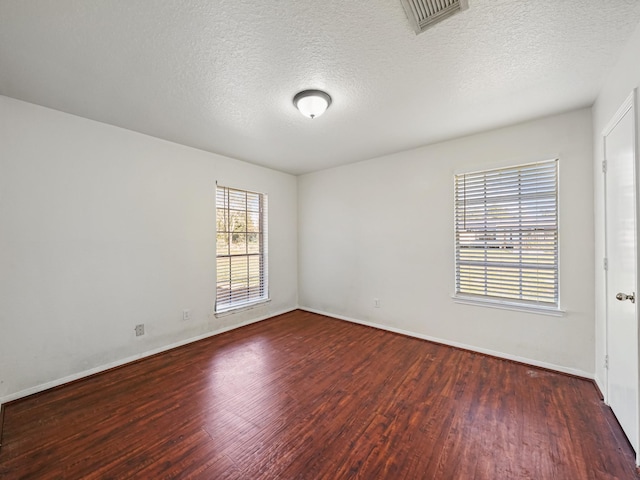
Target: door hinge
(604,166)
(605,263)
(606,361)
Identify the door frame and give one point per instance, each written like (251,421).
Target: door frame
(629,104)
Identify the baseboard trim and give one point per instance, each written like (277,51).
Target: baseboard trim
(601,387)
(596,385)
(1,423)
(493,353)
(119,363)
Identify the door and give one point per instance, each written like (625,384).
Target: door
(620,215)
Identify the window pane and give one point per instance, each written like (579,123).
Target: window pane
(253,222)
(238,220)
(221,220)
(253,243)
(237,200)
(222,244)
(253,202)
(239,267)
(238,243)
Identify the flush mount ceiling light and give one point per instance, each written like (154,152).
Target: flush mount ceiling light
(312,103)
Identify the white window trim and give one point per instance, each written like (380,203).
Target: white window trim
(507,305)
(504,303)
(239,307)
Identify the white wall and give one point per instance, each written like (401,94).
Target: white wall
(102,228)
(384,228)
(621,81)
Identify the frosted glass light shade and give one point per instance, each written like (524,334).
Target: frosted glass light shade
(312,103)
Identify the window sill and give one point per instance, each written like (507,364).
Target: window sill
(241,308)
(506,305)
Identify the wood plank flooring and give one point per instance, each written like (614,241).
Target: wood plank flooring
(302,396)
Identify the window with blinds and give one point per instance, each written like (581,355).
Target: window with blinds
(506,234)
(241,248)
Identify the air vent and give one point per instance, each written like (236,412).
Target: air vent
(423,14)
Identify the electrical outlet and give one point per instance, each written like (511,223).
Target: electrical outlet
(376,303)
(139,330)
(186,315)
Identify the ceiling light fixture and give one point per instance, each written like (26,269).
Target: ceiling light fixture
(312,103)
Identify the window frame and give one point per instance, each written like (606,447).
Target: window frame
(463,295)
(233,301)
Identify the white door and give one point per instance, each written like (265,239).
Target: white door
(622,324)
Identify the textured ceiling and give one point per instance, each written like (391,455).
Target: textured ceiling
(220,74)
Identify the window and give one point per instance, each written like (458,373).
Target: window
(506,235)
(241,248)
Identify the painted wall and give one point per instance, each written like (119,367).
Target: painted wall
(383,229)
(622,79)
(102,228)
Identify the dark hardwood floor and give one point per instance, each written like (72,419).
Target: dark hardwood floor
(302,396)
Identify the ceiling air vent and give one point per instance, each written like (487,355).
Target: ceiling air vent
(423,14)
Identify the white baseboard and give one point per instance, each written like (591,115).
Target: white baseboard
(117,363)
(601,385)
(102,368)
(472,348)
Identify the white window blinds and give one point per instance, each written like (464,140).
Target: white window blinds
(506,234)
(241,248)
